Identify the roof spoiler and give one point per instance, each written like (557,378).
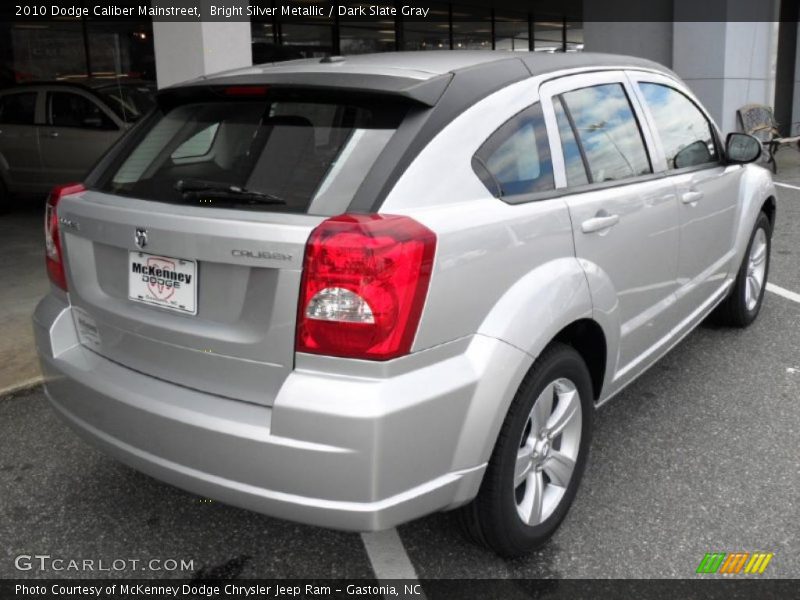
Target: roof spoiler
(418,91)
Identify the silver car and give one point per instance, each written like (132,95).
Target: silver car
(352,292)
(54,132)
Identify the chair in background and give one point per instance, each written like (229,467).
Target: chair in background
(759,121)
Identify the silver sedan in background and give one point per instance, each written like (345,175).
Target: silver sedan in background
(54,132)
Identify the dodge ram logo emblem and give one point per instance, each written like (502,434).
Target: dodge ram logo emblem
(140,237)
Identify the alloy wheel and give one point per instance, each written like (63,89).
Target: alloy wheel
(548,451)
(756,269)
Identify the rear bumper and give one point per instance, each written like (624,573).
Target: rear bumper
(348,452)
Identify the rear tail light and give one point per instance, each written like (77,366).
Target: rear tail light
(365,278)
(52,237)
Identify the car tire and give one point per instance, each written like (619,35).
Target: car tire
(495,517)
(743,304)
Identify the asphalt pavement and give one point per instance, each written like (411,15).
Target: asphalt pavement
(701,454)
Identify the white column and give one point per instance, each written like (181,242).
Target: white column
(651,40)
(728,64)
(185,50)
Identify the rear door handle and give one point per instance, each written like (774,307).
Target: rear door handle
(599,223)
(52,134)
(691,197)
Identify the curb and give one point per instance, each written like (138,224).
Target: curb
(21,386)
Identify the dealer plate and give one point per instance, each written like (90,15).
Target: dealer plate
(163,281)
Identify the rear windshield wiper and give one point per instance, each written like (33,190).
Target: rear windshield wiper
(198,189)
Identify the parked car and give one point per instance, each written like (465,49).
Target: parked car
(53,132)
(352,292)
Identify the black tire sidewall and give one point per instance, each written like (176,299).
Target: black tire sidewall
(748,316)
(563,362)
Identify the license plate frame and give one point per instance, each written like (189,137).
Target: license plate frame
(163,281)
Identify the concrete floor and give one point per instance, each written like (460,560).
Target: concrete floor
(24,281)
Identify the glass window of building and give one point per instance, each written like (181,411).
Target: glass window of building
(432,33)
(307,40)
(548,35)
(44,50)
(362,40)
(472,28)
(265,43)
(121,48)
(574,39)
(375,34)
(511,32)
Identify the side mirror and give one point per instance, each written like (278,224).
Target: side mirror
(741,148)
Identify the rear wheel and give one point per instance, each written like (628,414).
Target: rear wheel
(539,457)
(743,304)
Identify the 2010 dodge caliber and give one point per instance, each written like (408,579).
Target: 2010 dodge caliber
(351,292)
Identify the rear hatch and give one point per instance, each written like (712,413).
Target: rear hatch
(184,256)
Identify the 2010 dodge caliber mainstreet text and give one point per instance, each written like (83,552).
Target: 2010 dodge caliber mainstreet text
(352,292)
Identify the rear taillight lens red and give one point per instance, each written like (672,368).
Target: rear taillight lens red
(365,278)
(52,236)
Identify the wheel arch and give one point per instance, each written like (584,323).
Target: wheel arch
(587,337)
(770,207)
(756,194)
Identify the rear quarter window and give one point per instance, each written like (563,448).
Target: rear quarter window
(515,159)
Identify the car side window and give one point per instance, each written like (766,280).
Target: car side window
(18,109)
(515,159)
(686,134)
(67,109)
(607,132)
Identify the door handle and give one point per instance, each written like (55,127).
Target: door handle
(691,196)
(52,134)
(599,223)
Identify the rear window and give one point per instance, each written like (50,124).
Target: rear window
(290,154)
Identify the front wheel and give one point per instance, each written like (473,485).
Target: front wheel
(539,457)
(743,304)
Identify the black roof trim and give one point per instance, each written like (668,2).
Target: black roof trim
(469,85)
